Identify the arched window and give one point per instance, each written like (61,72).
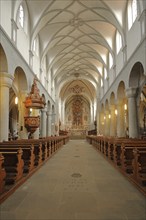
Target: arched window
(21,16)
(36,46)
(110,60)
(132,12)
(118,41)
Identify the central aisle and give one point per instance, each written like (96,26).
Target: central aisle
(76,183)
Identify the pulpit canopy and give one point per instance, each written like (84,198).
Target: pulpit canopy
(34,100)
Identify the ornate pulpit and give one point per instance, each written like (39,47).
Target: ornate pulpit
(33,101)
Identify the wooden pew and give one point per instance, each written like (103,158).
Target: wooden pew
(19,157)
(117,150)
(13,164)
(23,143)
(2,173)
(127,154)
(28,155)
(139,165)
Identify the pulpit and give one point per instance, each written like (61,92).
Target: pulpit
(33,101)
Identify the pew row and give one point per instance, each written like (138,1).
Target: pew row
(127,154)
(19,159)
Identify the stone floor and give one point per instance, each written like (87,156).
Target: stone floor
(76,183)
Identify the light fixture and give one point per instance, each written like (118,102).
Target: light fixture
(116,111)
(109,116)
(104,117)
(125,107)
(30,109)
(16,100)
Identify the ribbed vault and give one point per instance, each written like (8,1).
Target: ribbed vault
(76,36)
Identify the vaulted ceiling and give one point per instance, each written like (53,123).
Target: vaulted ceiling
(76,36)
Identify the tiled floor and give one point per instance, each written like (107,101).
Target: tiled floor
(76,183)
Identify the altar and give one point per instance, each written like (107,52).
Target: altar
(77,133)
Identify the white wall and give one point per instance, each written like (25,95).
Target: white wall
(133,38)
(23,43)
(5,16)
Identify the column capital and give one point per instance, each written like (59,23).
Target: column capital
(6,79)
(49,113)
(44,110)
(131,92)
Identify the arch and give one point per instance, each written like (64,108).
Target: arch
(136,75)
(53,109)
(121,91)
(3,60)
(106,105)
(102,107)
(44,98)
(112,98)
(20,81)
(48,106)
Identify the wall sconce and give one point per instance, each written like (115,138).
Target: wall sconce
(116,112)
(16,100)
(125,107)
(109,116)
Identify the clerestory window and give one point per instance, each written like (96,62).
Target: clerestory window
(21,16)
(36,46)
(118,41)
(110,60)
(132,12)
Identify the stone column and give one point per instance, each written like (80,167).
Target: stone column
(62,116)
(132,112)
(92,117)
(57,118)
(43,123)
(113,121)
(36,134)
(49,120)
(98,115)
(6,80)
(22,132)
(53,123)
(120,119)
(106,123)
(102,123)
